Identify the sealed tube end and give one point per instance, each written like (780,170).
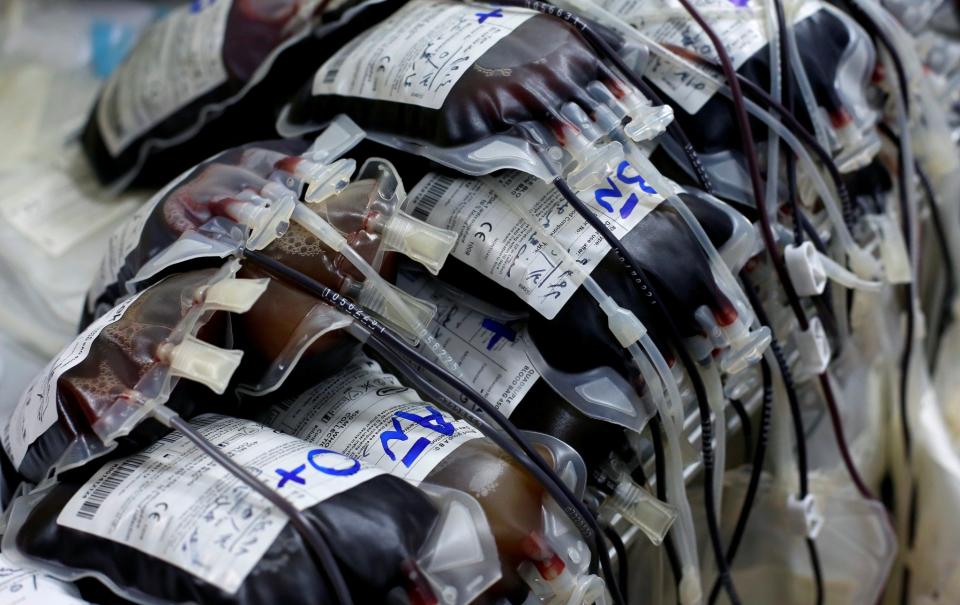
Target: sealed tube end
(325,181)
(690,592)
(201,362)
(419,241)
(233,295)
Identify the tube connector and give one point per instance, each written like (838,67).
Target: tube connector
(809,270)
(814,349)
(651,516)
(267,218)
(419,241)
(324,181)
(201,362)
(232,295)
(804,516)
(805,269)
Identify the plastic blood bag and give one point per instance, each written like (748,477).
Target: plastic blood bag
(499,242)
(204,537)
(241,200)
(197,81)
(125,364)
(476,87)
(397,431)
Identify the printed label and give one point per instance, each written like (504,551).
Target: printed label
(173,502)
(490,352)
(37,409)
(418,54)
(177,60)
(56,212)
(496,238)
(19,586)
(740,24)
(367,414)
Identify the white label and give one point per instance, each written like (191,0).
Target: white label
(495,237)
(37,409)
(491,353)
(56,212)
(176,61)
(419,53)
(367,414)
(740,24)
(19,586)
(173,502)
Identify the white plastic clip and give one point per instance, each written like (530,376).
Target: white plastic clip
(806,271)
(804,516)
(814,348)
(809,271)
(201,362)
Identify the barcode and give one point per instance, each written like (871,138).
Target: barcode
(430,196)
(334,69)
(110,482)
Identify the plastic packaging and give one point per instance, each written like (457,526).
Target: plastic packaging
(387,536)
(101,386)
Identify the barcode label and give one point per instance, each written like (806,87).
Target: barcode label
(429,196)
(110,482)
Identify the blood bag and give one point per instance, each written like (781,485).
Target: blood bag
(396,431)
(196,79)
(204,537)
(124,365)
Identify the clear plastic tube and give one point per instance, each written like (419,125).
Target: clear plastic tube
(711,379)
(391,297)
(799,72)
(776,91)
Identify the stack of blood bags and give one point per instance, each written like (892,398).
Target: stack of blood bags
(438,302)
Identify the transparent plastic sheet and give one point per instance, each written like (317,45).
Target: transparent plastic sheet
(387,536)
(232,60)
(536,549)
(855,543)
(110,378)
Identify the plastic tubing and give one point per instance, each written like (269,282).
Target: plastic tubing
(861,261)
(776,91)
(803,80)
(329,236)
